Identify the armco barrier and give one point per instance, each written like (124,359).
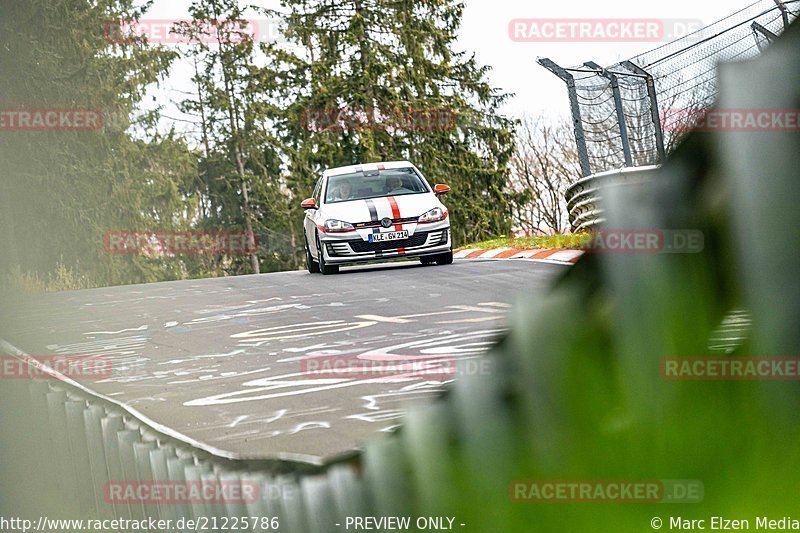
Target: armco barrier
(584,197)
(87,442)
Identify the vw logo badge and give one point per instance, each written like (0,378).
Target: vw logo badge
(386,222)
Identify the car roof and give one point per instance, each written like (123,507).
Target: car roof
(366,166)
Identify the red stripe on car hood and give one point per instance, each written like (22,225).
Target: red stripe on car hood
(395,211)
(396,215)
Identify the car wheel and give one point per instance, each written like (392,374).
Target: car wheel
(445,258)
(311,265)
(323,267)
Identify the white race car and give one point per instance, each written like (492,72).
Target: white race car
(374,212)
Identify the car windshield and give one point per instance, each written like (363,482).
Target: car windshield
(374,183)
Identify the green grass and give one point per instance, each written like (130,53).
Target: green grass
(529,242)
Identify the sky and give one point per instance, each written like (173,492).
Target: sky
(485,31)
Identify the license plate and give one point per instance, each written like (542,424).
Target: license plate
(388,236)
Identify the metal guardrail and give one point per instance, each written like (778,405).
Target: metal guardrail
(93,445)
(584,197)
(90,442)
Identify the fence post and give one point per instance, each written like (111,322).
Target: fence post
(651,94)
(623,128)
(758,28)
(784,13)
(580,137)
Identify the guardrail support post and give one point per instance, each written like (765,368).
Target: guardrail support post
(125,440)
(79,453)
(92,417)
(57,412)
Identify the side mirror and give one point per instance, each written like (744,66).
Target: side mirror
(440,189)
(308,203)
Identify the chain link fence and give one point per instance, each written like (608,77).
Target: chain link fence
(632,113)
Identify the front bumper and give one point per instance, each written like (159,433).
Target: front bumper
(350,248)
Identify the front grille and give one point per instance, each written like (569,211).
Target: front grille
(418,239)
(377,223)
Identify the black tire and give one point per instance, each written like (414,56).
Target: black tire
(445,258)
(323,267)
(311,265)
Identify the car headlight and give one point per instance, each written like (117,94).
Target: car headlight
(338,226)
(434,215)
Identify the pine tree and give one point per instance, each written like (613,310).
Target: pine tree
(63,190)
(404,92)
(240,170)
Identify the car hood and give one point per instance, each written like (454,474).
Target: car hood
(408,205)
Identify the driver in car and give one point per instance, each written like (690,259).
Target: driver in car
(395,186)
(344,192)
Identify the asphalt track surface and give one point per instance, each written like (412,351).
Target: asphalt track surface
(225,362)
